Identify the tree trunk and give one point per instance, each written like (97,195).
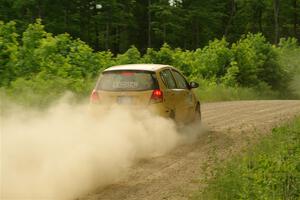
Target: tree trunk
(66,19)
(149,23)
(197,35)
(232,13)
(117,39)
(39,8)
(96,35)
(260,20)
(81,25)
(276,20)
(295,18)
(165,32)
(107,37)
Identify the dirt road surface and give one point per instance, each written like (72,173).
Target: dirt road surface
(233,126)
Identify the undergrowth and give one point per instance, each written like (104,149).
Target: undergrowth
(269,170)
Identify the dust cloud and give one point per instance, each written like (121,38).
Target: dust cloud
(69,150)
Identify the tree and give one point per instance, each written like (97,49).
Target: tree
(31,39)
(203,22)
(168,21)
(8,52)
(276,20)
(188,24)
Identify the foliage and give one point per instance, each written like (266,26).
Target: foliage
(8,52)
(212,60)
(46,66)
(131,56)
(210,91)
(258,62)
(40,67)
(289,59)
(188,24)
(269,170)
(163,56)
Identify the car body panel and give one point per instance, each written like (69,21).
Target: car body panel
(133,97)
(146,67)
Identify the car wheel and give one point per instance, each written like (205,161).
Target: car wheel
(172,114)
(198,113)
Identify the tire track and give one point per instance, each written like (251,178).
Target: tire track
(233,126)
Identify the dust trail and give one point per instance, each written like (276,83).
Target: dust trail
(66,151)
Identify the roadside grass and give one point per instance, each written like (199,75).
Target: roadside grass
(269,170)
(212,92)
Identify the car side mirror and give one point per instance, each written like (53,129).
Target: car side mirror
(194,84)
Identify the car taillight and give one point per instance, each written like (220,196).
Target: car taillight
(157,96)
(127,73)
(94,98)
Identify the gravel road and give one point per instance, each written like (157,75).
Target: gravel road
(232,127)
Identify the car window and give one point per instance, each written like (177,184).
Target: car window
(127,80)
(181,82)
(168,79)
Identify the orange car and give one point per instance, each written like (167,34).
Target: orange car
(162,89)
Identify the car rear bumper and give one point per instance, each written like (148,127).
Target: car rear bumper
(157,109)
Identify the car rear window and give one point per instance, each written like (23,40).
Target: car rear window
(127,80)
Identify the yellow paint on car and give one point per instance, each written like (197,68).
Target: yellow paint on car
(162,89)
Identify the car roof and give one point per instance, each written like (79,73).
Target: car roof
(146,67)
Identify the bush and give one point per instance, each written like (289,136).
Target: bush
(270,170)
(163,56)
(210,90)
(257,61)
(248,69)
(131,56)
(288,43)
(8,52)
(48,66)
(289,59)
(213,60)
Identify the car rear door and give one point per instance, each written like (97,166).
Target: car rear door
(169,91)
(185,102)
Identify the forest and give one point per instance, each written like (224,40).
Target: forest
(234,49)
(115,25)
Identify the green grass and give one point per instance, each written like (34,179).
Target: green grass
(269,170)
(212,92)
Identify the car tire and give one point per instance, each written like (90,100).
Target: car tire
(198,112)
(172,115)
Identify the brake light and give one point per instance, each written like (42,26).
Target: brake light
(127,73)
(94,98)
(157,96)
